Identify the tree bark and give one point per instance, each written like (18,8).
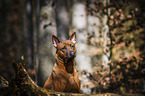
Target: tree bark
(79,23)
(46,49)
(98,29)
(62,19)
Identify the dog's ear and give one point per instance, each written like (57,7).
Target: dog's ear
(73,37)
(55,40)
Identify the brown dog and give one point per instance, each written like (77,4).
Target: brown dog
(64,76)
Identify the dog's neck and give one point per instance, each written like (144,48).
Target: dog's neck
(67,65)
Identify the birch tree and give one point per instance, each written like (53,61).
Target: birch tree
(46,50)
(79,22)
(83,60)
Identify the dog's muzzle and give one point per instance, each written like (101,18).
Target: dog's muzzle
(71,55)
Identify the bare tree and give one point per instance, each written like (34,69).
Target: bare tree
(62,18)
(46,50)
(79,22)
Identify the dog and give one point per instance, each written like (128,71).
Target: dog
(64,76)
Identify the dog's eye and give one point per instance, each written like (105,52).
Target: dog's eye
(63,48)
(72,46)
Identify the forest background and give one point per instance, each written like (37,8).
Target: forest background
(110,40)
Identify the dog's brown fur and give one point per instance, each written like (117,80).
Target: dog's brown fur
(64,76)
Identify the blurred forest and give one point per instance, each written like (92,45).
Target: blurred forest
(110,40)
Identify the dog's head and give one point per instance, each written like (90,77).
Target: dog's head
(65,49)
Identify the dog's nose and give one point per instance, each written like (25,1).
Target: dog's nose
(72,53)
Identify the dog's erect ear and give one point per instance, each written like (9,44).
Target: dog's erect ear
(73,37)
(55,40)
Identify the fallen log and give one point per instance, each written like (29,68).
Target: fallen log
(23,85)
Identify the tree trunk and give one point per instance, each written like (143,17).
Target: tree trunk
(98,29)
(46,49)
(79,22)
(62,19)
(83,60)
(28,34)
(105,30)
(11,35)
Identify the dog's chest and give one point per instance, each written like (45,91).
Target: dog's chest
(71,84)
(68,82)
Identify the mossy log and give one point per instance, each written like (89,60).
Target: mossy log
(23,85)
